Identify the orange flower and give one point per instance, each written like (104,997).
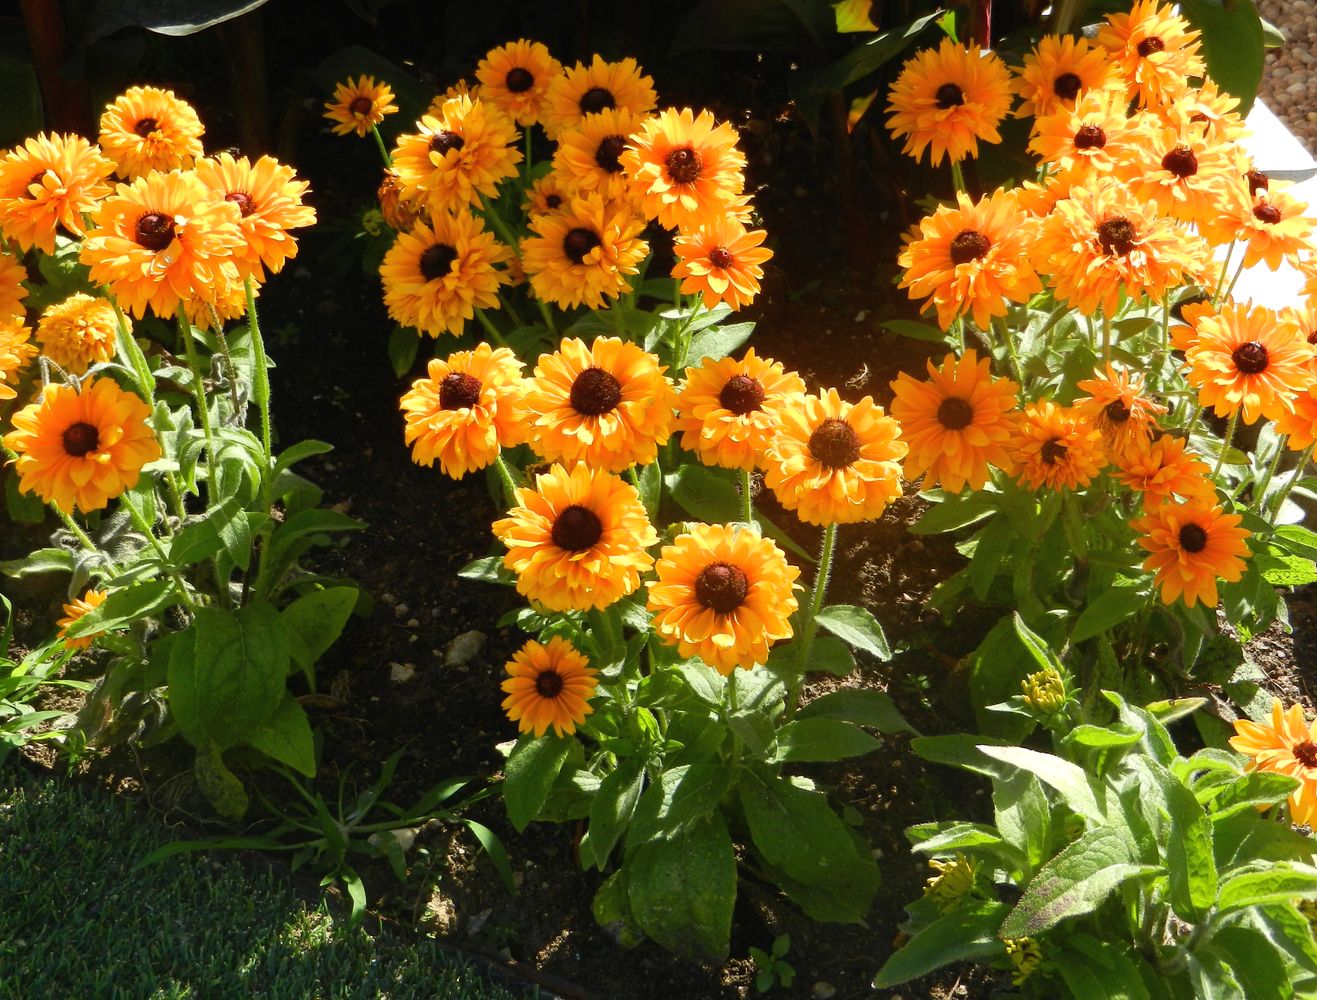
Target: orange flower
(587,90)
(516,78)
(1088,138)
(1272,225)
(685,170)
(957,423)
(1116,405)
(546,194)
(1284,747)
(359,105)
(269,199)
(400,211)
(48,182)
(1247,359)
(728,410)
(1182,171)
(947,99)
(1155,50)
(582,253)
(1191,310)
(577,541)
(74,610)
(1056,448)
(457,155)
(1163,470)
(16,350)
(1190,546)
(722,261)
(723,594)
(79,332)
(549,686)
(835,462)
(12,292)
(971,259)
(467,409)
(147,129)
(1058,71)
(589,154)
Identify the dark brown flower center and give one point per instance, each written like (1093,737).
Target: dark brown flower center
(154,230)
(442,141)
(1257,181)
(721,587)
(437,261)
(519,80)
(968,245)
(1054,451)
(1090,137)
(1306,753)
(579,242)
(949,96)
(955,413)
(1312,337)
(577,528)
(741,395)
(553,200)
(1150,45)
(1066,86)
(1117,236)
(1181,161)
(1267,212)
(145,126)
(595,392)
(361,105)
(1250,358)
(721,257)
(834,444)
(684,165)
(246,204)
(610,148)
(1192,538)
(459,391)
(1116,411)
(595,100)
(81,438)
(548,684)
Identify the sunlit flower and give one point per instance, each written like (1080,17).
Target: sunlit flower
(685,168)
(1247,360)
(1272,225)
(583,253)
(587,90)
(723,594)
(1181,171)
(465,410)
(81,449)
(1056,447)
(79,332)
(359,105)
(48,182)
(546,194)
(1185,334)
(516,78)
(1058,71)
(401,209)
(1190,546)
(12,292)
(1155,50)
(728,410)
(147,129)
(1117,407)
(589,154)
(1087,138)
(16,350)
(723,261)
(1211,106)
(269,198)
(1163,470)
(74,610)
(549,686)
(1025,955)
(1287,747)
(577,540)
(947,99)
(953,881)
(458,155)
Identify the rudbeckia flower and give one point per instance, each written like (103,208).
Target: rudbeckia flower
(549,686)
(1190,546)
(79,332)
(49,182)
(147,129)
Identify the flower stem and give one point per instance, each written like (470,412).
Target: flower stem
(530,159)
(1260,494)
(1002,331)
(1285,490)
(260,372)
(747,498)
(509,483)
(490,328)
(139,519)
(1221,278)
(198,388)
(958,177)
(76,531)
(1225,445)
(548,316)
(1106,338)
(379,144)
(810,627)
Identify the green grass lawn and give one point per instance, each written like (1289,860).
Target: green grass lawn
(76,919)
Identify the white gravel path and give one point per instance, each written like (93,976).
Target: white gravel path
(1289,82)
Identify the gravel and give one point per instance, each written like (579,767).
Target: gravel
(1289,81)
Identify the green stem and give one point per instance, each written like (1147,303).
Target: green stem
(501,227)
(139,519)
(810,627)
(77,532)
(234,399)
(999,324)
(507,306)
(1260,494)
(530,159)
(379,144)
(747,499)
(958,177)
(509,483)
(1285,491)
(1221,278)
(1235,280)
(198,389)
(1166,323)
(547,315)
(1225,445)
(260,373)
(490,328)
(1106,338)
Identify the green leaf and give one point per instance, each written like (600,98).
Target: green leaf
(218,784)
(916,331)
(967,932)
(530,772)
(1253,959)
(1111,608)
(861,706)
(828,655)
(865,58)
(1101,737)
(822,740)
(958,750)
(1286,570)
(1233,44)
(1184,834)
(683,889)
(717,342)
(1079,791)
(487,570)
(704,493)
(682,796)
(994,541)
(404,342)
(1248,792)
(1024,816)
(1101,970)
(316,620)
(39,561)
(955,511)
(1280,882)
(651,489)
(123,607)
(1076,881)
(286,736)
(856,626)
(23,508)
(613,806)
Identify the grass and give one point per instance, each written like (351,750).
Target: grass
(78,920)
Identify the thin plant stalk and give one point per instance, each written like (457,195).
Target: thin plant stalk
(810,625)
(958,177)
(747,498)
(490,328)
(1225,444)
(139,519)
(379,144)
(1260,499)
(260,373)
(1106,338)
(1221,278)
(1284,494)
(198,389)
(509,483)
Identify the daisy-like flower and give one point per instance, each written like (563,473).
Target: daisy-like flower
(728,410)
(457,155)
(74,610)
(147,129)
(400,211)
(1117,407)
(607,404)
(1155,50)
(1101,239)
(549,686)
(162,239)
(721,260)
(723,594)
(1248,360)
(516,78)
(1190,546)
(359,105)
(684,168)
(435,279)
(1163,470)
(81,449)
(1271,223)
(546,194)
(1182,171)
(947,99)
(1056,447)
(587,90)
(1058,71)
(835,462)
(48,182)
(1211,106)
(577,540)
(16,350)
(582,253)
(78,332)
(269,198)
(465,410)
(589,156)
(957,423)
(1287,747)
(1184,335)
(12,292)
(971,259)
(1087,138)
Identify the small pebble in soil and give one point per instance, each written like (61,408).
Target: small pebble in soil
(413,623)
(861,315)
(823,991)
(401,673)
(463,649)
(474,925)
(401,610)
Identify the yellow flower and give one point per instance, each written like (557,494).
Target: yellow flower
(1056,447)
(722,261)
(16,350)
(359,105)
(74,610)
(1272,225)
(582,253)
(12,292)
(952,883)
(1248,360)
(589,154)
(269,201)
(549,686)
(1088,138)
(1182,171)
(79,332)
(516,78)
(1025,956)
(684,168)
(587,90)
(1116,405)
(1163,470)
(1058,71)
(458,155)
(1286,746)
(48,182)
(147,129)
(1044,691)
(1155,50)
(1190,546)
